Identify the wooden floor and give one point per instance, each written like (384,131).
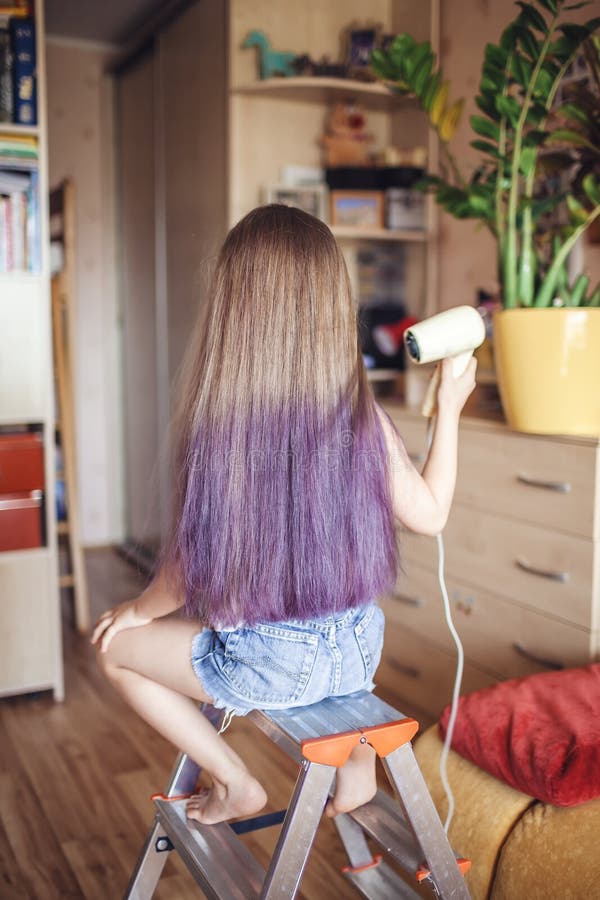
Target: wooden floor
(76,779)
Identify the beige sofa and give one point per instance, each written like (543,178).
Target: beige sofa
(520,849)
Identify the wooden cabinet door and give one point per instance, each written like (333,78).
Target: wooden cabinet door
(136,160)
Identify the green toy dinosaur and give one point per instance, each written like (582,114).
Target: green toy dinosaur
(272,62)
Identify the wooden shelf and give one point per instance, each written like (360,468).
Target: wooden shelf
(307,89)
(25,130)
(350,233)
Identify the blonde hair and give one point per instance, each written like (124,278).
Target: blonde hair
(280,452)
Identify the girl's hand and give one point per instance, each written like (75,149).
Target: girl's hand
(454,392)
(123,616)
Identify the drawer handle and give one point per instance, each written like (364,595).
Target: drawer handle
(562,487)
(403,668)
(408,601)
(539,660)
(563,577)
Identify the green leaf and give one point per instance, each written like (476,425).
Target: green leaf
(532,16)
(431,90)
(495,56)
(594,298)
(534,138)
(578,5)
(422,74)
(414,59)
(573,112)
(508,106)
(485,147)
(543,83)
(579,288)
(577,210)
(541,207)
(566,136)
(485,127)
(591,187)
(550,5)
(528,42)
(521,69)
(487,105)
(508,39)
(527,160)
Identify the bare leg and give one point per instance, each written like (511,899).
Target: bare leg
(355,782)
(150,667)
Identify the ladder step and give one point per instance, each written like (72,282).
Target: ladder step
(220,863)
(383,821)
(382,883)
(289,727)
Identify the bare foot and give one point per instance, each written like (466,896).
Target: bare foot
(355,782)
(242,795)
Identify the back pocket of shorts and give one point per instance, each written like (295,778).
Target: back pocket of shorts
(369,636)
(267,664)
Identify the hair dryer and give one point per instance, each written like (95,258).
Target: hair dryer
(454,333)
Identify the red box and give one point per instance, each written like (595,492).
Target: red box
(21,520)
(21,463)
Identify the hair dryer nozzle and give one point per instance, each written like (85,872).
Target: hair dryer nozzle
(454,331)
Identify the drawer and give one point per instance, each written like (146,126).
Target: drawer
(20,520)
(497,634)
(532,566)
(421,672)
(544,481)
(21,462)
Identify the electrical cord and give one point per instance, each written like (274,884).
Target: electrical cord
(459,666)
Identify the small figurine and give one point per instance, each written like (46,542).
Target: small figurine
(346,142)
(272,62)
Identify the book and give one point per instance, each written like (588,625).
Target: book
(6,77)
(20,225)
(22,32)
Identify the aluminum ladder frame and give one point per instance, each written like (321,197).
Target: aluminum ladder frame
(319,738)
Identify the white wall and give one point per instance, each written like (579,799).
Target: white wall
(81,146)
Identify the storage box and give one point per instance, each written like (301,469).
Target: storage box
(21,463)
(404,208)
(21,520)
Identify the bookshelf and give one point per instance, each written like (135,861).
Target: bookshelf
(30,624)
(280,121)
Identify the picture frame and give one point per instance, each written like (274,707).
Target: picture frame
(312,198)
(357,209)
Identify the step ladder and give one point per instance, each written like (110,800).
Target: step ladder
(320,738)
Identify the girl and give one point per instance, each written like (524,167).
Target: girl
(290,485)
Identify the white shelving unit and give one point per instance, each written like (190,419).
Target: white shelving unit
(30,626)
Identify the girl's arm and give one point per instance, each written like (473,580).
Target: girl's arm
(422,501)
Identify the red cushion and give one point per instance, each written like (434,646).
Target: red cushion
(539,734)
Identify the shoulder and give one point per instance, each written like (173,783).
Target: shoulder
(394,443)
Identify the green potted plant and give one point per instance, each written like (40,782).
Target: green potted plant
(537,189)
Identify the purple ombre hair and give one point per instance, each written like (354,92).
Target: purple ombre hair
(283,508)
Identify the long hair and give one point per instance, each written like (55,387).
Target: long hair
(282,504)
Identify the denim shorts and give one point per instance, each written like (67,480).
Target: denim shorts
(277,665)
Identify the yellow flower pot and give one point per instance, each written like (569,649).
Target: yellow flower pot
(548,368)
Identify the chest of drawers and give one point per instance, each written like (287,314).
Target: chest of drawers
(522,548)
